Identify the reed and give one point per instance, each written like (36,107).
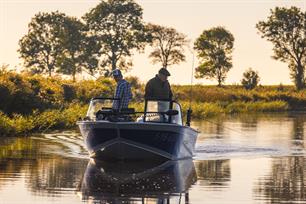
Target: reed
(41,122)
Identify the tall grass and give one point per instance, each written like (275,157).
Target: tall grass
(41,122)
(204,110)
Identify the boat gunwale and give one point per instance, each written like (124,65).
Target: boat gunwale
(134,123)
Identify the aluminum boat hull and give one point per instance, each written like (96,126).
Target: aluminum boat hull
(138,140)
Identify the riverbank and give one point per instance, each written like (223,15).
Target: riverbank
(66,118)
(18,124)
(31,104)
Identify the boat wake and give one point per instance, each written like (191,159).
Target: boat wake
(211,150)
(67,144)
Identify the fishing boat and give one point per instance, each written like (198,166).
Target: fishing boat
(157,132)
(107,182)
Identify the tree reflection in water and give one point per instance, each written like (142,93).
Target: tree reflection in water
(213,172)
(48,171)
(286,182)
(44,174)
(288,176)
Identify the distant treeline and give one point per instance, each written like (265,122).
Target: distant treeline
(107,36)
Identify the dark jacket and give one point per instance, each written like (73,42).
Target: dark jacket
(157,89)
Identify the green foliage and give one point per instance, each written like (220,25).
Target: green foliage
(214,48)
(41,122)
(56,42)
(118,28)
(24,93)
(204,110)
(286,29)
(77,49)
(250,79)
(85,90)
(230,94)
(38,104)
(261,106)
(136,87)
(168,45)
(6,127)
(41,46)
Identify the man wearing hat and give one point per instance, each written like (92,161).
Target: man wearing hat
(123,91)
(158,88)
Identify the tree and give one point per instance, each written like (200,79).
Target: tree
(214,48)
(250,79)
(118,27)
(40,47)
(168,45)
(77,48)
(286,29)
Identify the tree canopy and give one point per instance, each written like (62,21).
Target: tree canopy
(40,47)
(214,48)
(118,28)
(250,79)
(286,29)
(168,45)
(78,50)
(56,42)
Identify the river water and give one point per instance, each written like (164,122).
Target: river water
(239,159)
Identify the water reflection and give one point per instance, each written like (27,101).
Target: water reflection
(145,182)
(286,183)
(28,161)
(240,159)
(214,172)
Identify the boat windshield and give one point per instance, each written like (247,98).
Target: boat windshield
(155,111)
(98,104)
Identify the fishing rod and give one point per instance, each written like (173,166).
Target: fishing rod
(90,74)
(189,111)
(227,128)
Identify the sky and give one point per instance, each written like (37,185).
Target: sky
(190,17)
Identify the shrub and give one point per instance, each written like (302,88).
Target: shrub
(250,79)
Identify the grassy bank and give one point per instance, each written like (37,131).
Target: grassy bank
(45,121)
(36,104)
(66,118)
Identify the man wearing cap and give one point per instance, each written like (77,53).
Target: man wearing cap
(123,91)
(158,88)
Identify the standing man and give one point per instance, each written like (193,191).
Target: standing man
(123,91)
(158,88)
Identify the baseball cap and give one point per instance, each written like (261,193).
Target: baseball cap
(164,71)
(116,73)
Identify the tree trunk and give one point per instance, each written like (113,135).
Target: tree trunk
(219,76)
(299,78)
(74,68)
(49,70)
(114,62)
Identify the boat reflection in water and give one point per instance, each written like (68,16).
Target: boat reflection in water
(138,182)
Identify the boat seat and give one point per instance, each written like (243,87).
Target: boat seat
(127,111)
(115,116)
